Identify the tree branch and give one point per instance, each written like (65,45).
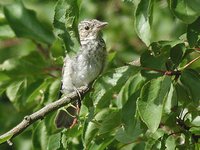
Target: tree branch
(188,64)
(40,114)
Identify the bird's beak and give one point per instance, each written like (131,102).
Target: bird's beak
(102,25)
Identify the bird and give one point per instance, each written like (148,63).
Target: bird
(83,68)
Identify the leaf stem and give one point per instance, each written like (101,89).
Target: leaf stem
(164,72)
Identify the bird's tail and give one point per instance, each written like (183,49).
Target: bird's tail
(67,117)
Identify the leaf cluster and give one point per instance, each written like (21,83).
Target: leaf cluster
(155,105)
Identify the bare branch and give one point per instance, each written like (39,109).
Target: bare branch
(40,114)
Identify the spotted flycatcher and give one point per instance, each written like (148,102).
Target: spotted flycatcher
(84,67)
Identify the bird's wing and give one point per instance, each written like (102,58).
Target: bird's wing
(67,85)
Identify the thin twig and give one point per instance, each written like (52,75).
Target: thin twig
(164,72)
(40,114)
(188,64)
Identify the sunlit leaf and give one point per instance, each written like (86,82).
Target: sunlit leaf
(170,143)
(66,23)
(40,137)
(107,125)
(6,32)
(132,85)
(143,20)
(111,83)
(5,138)
(186,10)
(150,102)
(14,90)
(54,142)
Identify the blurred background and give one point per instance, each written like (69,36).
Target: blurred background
(122,42)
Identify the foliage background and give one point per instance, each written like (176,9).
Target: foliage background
(130,107)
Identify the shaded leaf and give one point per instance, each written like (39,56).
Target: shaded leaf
(193,33)
(176,54)
(182,95)
(156,62)
(100,125)
(92,127)
(191,81)
(30,65)
(25,23)
(35,91)
(102,145)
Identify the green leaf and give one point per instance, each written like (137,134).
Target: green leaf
(54,90)
(195,130)
(196,119)
(92,128)
(171,100)
(6,32)
(129,134)
(123,137)
(54,142)
(101,145)
(170,143)
(101,126)
(107,126)
(110,83)
(25,23)
(153,139)
(127,101)
(35,91)
(131,86)
(155,61)
(66,23)
(182,95)
(143,20)
(176,54)
(193,33)
(15,89)
(30,65)
(5,138)
(186,10)
(40,137)
(191,81)
(150,102)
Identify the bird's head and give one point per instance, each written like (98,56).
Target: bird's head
(90,29)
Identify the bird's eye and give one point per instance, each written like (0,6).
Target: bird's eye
(87,27)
